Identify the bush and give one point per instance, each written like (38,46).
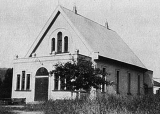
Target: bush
(80,75)
(6,84)
(103,105)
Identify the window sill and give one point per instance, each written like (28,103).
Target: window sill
(66,52)
(63,91)
(60,90)
(62,53)
(23,90)
(58,53)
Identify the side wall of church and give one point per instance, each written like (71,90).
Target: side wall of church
(111,69)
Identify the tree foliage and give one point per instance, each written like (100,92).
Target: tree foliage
(81,75)
(6,85)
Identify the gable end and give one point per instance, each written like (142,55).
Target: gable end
(50,25)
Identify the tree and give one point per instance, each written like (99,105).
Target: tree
(80,75)
(6,86)
(0,82)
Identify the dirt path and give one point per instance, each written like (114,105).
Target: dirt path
(26,112)
(10,109)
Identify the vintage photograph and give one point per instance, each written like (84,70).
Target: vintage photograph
(79,57)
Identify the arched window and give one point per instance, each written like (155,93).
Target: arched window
(53,45)
(42,72)
(65,44)
(59,42)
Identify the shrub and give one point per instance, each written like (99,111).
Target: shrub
(6,84)
(80,75)
(104,105)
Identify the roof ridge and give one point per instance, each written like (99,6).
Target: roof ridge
(87,18)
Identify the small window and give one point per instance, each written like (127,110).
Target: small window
(53,45)
(104,70)
(65,44)
(117,80)
(23,80)
(56,80)
(28,82)
(18,82)
(59,42)
(139,84)
(129,83)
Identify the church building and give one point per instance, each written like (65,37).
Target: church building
(69,36)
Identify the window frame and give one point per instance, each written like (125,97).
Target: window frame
(56,82)
(138,84)
(128,83)
(59,42)
(117,81)
(28,80)
(53,45)
(62,83)
(23,80)
(65,44)
(18,82)
(103,85)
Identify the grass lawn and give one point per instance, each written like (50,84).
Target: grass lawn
(102,105)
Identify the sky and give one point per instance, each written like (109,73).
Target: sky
(136,21)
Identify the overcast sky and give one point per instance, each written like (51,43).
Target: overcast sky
(136,21)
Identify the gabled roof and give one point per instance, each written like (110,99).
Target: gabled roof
(96,37)
(102,40)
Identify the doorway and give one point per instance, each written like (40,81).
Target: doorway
(41,84)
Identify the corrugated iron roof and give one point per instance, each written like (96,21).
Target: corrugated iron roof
(106,42)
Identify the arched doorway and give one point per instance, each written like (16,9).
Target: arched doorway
(41,84)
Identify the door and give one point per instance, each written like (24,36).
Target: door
(41,89)
(41,85)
